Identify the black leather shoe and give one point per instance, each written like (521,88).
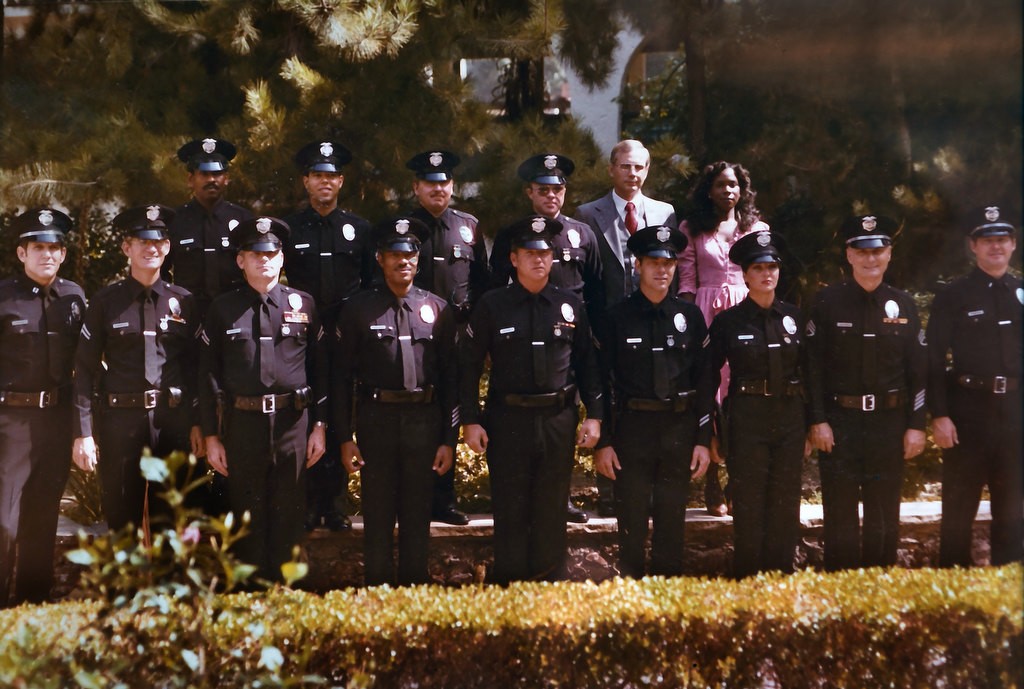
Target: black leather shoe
(450,515)
(336,521)
(576,515)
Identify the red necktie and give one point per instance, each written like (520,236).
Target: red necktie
(631,218)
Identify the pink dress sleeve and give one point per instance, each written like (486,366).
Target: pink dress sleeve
(687,263)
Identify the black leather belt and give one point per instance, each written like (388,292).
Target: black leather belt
(545,400)
(268,404)
(136,400)
(680,403)
(424,396)
(39,400)
(790,388)
(886,400)
(998,385)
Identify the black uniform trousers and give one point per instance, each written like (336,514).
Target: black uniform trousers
(35,458)
(530,456)
(765,456)
(988,427)
(654,450)
(865,466)
(398,443)
(267,478)
(121,436)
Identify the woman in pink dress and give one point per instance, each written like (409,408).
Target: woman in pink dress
(723,211)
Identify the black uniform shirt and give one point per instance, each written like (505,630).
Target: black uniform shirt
(849,331)
(368,352)
(29,338)
(978,318)
(739,334)
(229,361)
(644,342)
(195,233)
(512,325)
(111,355)
(453,260)
(339,243)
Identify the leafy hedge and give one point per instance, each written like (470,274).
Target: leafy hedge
(869,628)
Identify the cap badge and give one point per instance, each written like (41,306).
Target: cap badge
(663,234)
(326,149)
(427,314)
(295,301)
(869,223)
(789,324)
(992,213)
(436,159)
(209,145)
(574,238)
(466,234)
(538,225)
(679,320)
(348,231)
(402,226)
(45,218)
(550,162)
(567,313)
(764,239)
(263,225)
(153,213)
(892,309)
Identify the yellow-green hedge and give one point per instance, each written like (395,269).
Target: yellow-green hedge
(873,628)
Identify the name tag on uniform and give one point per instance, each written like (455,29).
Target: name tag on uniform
(296,317)
(506,331)
(233,331)
(378,327)
(972,314)
(744,337)
(302,246)
(118,326)
(844,325)
(634,340)
(186,241)
(325,253)
(24,322)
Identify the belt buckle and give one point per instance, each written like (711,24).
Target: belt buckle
(44,399)
(867,403)
(149,398)
(999,385)
(269,404)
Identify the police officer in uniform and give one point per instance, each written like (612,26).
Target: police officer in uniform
(866,368)
(976,404)
(396,366)
(657,436)
(263,366)
(201,258)
(764,410)
(40,317)
(539,341)
(329,255)
(577,262)
(453,266)
(136,370)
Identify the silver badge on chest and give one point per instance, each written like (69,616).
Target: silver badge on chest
(892,309)
(679,320)
(348,231)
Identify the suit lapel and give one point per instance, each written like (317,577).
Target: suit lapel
(611,226)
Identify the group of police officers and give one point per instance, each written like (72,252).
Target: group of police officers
(370,359)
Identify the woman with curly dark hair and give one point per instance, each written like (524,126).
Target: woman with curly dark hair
(723,211)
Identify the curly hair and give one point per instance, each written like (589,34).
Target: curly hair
(704,216)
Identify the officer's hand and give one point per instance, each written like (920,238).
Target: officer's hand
(944,431)
(84,453)
(195,438)
(913,443)
(589,433)
(216,456)
(443,460)
(606,462)
(476,437)
(316,445)
(701,461)
(821,437)
(351,457)
(715,451)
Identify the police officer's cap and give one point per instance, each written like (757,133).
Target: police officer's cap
(657,241)
(322,156)
(868,231)
(260,234)
(207,155)
(990,221)
(533,232)
(41,225)
(402,233)
(433,166)
(546,168)
(145,222)
(756,247)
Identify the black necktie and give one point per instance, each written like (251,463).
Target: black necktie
(149,336)
(869,352)
(405,345)
(1006,306)
(659,352)
(53,362)
(538,333)
(211,254)
(266,344)
(771,331)
(326,261)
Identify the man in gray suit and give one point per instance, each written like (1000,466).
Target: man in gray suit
(614,218)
